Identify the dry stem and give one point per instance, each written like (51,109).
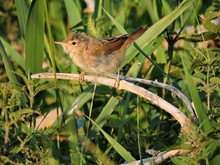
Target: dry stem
(124,85)
(159,158)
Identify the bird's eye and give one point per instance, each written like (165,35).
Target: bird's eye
(73,43)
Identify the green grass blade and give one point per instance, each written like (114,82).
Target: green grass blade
(80,100)
(152,9)
(120,149)
(107,110)
(22,11)
(73,12)
(166,7)
(155,30)
(15,55)
(8,66)
(123,117)
(200,110)
(118,25)
(34,41)
(98,9)
(133,72)
(51,48)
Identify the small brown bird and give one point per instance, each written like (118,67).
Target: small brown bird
(98,56)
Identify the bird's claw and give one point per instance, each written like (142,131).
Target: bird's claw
(82,77)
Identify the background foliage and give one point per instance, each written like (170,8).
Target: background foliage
(182,43)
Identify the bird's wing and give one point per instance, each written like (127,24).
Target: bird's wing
(108,45)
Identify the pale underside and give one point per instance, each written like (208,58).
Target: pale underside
(104,63)
(98,56)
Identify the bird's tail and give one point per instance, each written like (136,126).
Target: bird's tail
(134,35)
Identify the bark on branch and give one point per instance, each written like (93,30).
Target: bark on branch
(128,86)
(159,158)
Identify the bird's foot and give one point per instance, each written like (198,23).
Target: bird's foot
(117,82)
(116,77)
(82,77)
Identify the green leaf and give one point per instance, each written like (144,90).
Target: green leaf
(8,66)
(200,75)
(199,37)
(15,55)
(23,112)
(155,30)
(118,25)
(215,80)
(120,149)
(25,129)
(107,110)
(166,7)
(73,12)
(200,110)
(22,11)
(34,41)
(50,43)
(212,27)
(214,149)
(210,21)
(152,9)
(80,100)
(98,9)
(161,55)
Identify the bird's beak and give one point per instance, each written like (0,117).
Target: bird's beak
(64,45)
(60,43)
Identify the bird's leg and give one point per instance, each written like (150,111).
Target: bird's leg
(116,77)
(117,80)
(81,76)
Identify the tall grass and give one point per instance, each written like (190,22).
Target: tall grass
(122,125)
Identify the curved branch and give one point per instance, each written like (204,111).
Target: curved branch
(124,85)
(173,89)
(159,158)
(155,83)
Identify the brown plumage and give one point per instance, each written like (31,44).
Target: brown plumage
(97,56)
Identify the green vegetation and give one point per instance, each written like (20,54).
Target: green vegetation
(180,48)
